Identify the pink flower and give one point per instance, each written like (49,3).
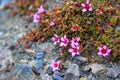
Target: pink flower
(75,28)
(55,65)
(103,51)
(41,10)
(56,39)
(64,41)
(86,6)
(36,18)
(76,3)
(52,24)
(98,12)
(74,51)
(74,41)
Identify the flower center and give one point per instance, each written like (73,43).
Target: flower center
(65,41)
(98,11)
(75,50)
(57,38)
(87,6)
(56,65)
(75,40)
(75,27)
(103,51)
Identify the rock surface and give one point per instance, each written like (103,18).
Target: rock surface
(95,67)
(73,69)
(23,72)
(37,66)
(114,73)
(6,59)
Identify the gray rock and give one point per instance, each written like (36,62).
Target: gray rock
(1,34)
(113,72)
(57,77)
(46,77)
(37,66)
(6,58)
(22,72)
(73,69)
(90,77)
(49,49)
(67,64)
(83,59)
(3,75)
(70,76)
(86,69)
(59,74)
(117,28)
(52,3)
(20,56)
(50,70)
(95,67)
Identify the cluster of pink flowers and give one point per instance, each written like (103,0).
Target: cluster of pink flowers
(74,50)
(64,41)
(36,16)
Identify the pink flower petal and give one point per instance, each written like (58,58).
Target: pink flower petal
(87,1)
(53,38)
(83,5)
(65,36)
(99,53)
(105,47)
(61,44)
(84,10)
(55,35)
(54,69)
(105,55)
(108,50)
(78,39)
(90,5)
(77,53)
(90,9)
(55,43)
(62,39)
(99,48)
(73,54)
(70,50)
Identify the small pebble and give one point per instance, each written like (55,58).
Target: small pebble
(30,52)
(56,77)
(49,71)
(39,55)
(83,78)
